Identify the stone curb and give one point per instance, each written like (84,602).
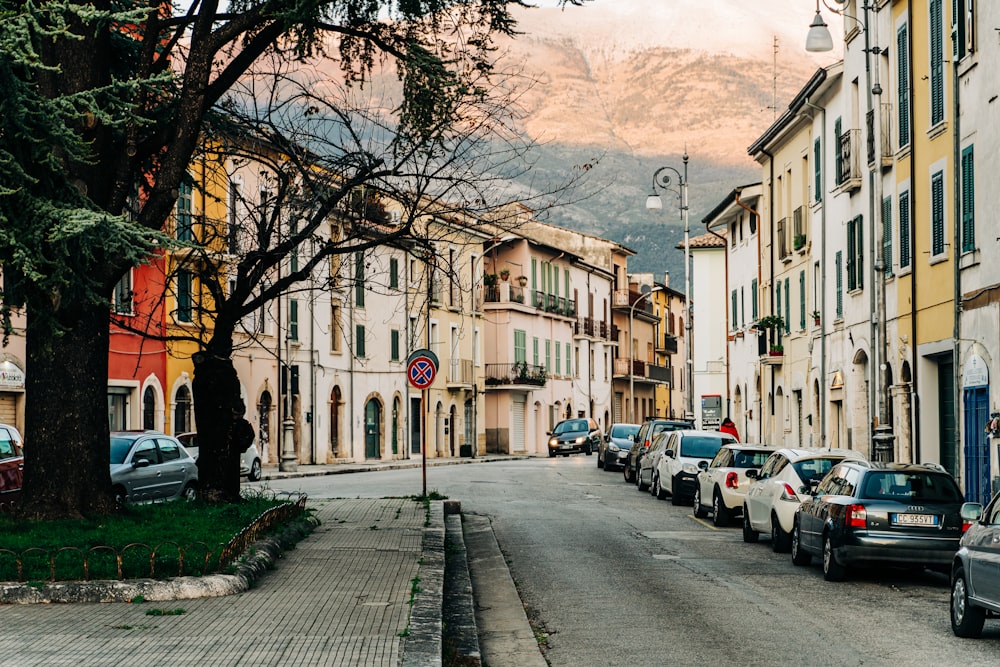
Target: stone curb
(422,646)
(264,553)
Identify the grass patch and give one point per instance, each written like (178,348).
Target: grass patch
(161,533)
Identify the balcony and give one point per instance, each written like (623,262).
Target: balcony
(884,156)
(667,344)
(519,374)
(461,374)
(503,293)
(625,367)
(658,373)
(781,236)
(585,326)
(848,164)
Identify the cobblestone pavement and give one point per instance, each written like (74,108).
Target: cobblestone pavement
(342,597)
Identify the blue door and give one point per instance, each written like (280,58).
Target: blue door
(977,452)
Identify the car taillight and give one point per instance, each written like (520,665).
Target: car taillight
(788,493)
(646,445)
(732,480)
(857,516)
(966,525)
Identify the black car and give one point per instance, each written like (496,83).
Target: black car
(575,435)
(615,445)
(864,514)
(644,438)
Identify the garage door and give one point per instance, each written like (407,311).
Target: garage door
(517,425)
(8,408)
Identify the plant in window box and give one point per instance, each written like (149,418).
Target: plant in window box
(770,322)
(490,279)
(776,351)
(815,316)
(799,241)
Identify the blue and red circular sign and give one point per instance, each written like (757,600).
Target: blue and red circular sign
(421,368)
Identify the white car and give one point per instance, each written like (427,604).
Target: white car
(780,486)
(249,460)
(723,483)
(677,469)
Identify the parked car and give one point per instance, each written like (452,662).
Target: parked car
(975,573)
(723,481)
(863,514)
(11,467)
(777,489)
(644,438)
(649,460)
(575,435)
(147,465)
(615,445)
(249,460)
(676,471)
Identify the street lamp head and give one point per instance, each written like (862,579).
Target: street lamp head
(819,40)
(654,203)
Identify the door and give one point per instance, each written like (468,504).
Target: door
(143,481)
(946,410)
(977,452)
(172,469)
(519,408)
(373,420)
(416,433)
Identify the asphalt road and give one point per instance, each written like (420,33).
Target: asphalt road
(615,577)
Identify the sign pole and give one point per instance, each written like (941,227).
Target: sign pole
(421,369)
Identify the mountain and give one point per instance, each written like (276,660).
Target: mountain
(626,86)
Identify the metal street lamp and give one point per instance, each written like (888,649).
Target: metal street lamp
(661,179)
(631,359)
(818,40)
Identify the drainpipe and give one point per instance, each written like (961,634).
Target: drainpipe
(822,275)
(914,394)
(957,267)
(770,195)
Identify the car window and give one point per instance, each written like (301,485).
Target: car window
(749,459)
(571,425)
(169,450)
(911,486)
(724,459)
(7,446)
(623,430)
(768,469)
(700,446)
(145,451)
(119,449)
(814,469)
(841,481)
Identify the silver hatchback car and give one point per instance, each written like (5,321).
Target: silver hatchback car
(975,573)
(148,465)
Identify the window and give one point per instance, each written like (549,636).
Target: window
(887,236)
(393,273)
(569,365)
(293,257)
(904,230)
(558,358)
(937,214)
(839,156)
(184,292)
(185,200)
(123,295)
(394,345)
(732,305)
(855,254)
(937,62)
(359,279)
(293,319)
(802,299)
(817,171)
(335,328)
(182,410)
(903,85)
(534,351)
(520,346)
(968,200)
(548,356)
(359,341)
(777,297)
(753,299)
(235,200)
(963,28)
(838,263)
(788,306)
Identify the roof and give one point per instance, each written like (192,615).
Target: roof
(704,241)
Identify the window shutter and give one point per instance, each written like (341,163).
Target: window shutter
(937,62)
(968,201)
(802,299)
(753,299)
(837,124)
(818,170)
(887,235)
(850,256)
(904,229)
(903,84)
(937,214)
(859,261)
(788,306)
(732,318)
(839,268)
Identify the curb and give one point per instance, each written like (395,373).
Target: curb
(422,646)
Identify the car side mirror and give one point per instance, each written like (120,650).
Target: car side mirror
(808,489)
(972,512)
(703,465)
(141,463)
(753,473)
(669,453)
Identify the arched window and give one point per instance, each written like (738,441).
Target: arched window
(182,411)
(149,409)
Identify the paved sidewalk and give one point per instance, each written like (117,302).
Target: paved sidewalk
(342,597)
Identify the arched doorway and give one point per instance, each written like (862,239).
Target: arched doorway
(336,405)
(396,409)
(373,422)
(452,429)
(182,410)
(149,409)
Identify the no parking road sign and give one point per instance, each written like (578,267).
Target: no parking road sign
(421,368)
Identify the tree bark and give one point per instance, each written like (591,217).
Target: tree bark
(217,409)
(67,453)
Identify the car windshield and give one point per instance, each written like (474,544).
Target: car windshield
(571,425)
(701,446)
(624,430)
(749,459)
(814,469)
(908,487)
(119,449)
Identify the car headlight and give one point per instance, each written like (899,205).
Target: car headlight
(614,448)
(582,439)
(689,468)
(553,442)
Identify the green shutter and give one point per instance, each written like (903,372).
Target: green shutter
(937,62)
(788,306)
(904,229)
(359,342)
(937,214)
(837,125)
(887,235)
(802,299)
(968,200)
(753,299)
(359,279)
(569,366)
(818,170)
(851,284)
(534,350)
(732,299)
(903,85)
(558,358)
(520,346)
(394,345)
(777,297)
(548,356)
(839,268)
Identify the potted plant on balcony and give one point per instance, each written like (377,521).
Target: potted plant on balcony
(770,322)
(504,274)
(522,281)
(815,316)
(490,279)
(799,241)
(776,350)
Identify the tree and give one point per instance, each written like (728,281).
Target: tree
(105,104)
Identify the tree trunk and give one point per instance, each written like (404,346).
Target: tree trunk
(67,453)
(217,409)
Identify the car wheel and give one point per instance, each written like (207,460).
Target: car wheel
(600,462)
(190,492)
(552,454)
(638,481)
(590,450)
(799,557)
(625,474)
(832,570)
(720,513)
(254,474)
(780,540)
(120,494)
(966,619)
(749,534)
(699,511)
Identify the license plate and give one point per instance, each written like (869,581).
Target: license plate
(915,519)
